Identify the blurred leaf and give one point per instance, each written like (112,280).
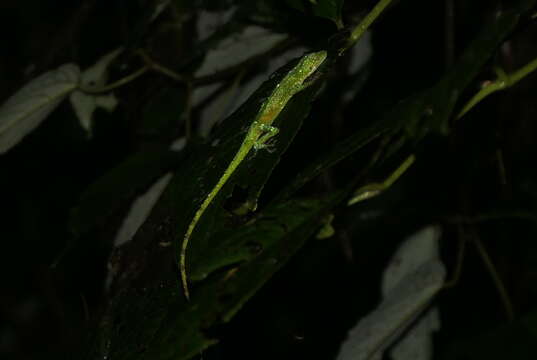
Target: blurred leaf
(240,50)
(95,77)
(422,247)
(85,104)
(27,108)
(140,209)
(415,274)
(245,43)
(328,9)
(119,186)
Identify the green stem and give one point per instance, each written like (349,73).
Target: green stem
(500,287)
(523,72)
(399,171)
(361,28)
(123,81)
(502,82)
(459,261)
(483,93)
(153,65)
(376,188)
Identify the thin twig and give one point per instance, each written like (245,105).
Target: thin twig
(153,65)
(502,291)
(449,32)
(459,260)
(501,167)
(516,215)
(116,84)
(188,111)
(362,27)
(502,82)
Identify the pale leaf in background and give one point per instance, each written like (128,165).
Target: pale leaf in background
(421,247)
(141,207)
(85,104)
(413,277)
(27,108)
(412,253)
(95,77)
(246,43)
(140,210)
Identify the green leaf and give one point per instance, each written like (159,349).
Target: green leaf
(25,110)
(148,291)
(220,297)
(151,312)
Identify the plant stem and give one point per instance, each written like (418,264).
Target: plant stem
(399,171)
(500,287)
(373,189)
(523,72)
(361,28)
(502,82)
(459,260)
(153,65)
(123,81)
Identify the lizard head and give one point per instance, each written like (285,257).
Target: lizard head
(309,63)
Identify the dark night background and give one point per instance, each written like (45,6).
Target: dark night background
(52,294)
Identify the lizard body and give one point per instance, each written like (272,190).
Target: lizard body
(257,136)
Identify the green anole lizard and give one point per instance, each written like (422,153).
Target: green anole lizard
(257,136)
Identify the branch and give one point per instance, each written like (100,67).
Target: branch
(362,27)
(503,81)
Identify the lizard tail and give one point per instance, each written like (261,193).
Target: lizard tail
(230,169)
(182,266)
(190,230)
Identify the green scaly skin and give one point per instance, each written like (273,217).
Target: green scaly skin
(256,138)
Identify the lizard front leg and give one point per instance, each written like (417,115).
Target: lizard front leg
(267,133)
(262,133)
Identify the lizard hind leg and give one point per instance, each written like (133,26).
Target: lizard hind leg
(264,140)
